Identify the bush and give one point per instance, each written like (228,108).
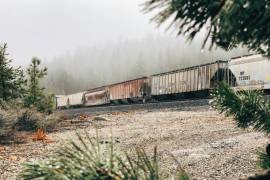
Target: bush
(8,120)
(11,105)
(29,120)
(45,104)
(49,122)
(89,159)
(14,120)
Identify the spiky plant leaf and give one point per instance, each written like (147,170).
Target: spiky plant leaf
(247,107)
(87,159)
(264,160)
(84,159)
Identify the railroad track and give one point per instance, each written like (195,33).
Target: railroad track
(180,105)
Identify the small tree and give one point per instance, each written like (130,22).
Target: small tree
(12,81)
(35,96)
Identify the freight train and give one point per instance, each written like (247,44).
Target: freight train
(241,73)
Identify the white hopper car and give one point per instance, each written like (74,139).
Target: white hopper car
(251,72)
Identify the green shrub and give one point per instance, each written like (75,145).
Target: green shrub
(46,104)
(89,159)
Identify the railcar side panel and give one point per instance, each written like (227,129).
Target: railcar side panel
(61,101)
(251,72)
(96,97)
(127,90)
(75,99)
(192,79)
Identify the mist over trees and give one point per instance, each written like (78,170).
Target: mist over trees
(92,67)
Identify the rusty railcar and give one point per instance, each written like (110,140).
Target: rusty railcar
(189,80)
(95,97)
(132,90)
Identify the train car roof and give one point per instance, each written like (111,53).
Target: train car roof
(191,67)
(243,56)
(247,59)
(144,77)
(59,96)
(96,89)
(76,94)
(101,87)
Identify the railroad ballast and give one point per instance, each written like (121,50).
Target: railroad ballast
(245,72)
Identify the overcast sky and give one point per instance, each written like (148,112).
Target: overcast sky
(48,28)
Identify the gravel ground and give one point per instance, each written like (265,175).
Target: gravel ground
(205,143)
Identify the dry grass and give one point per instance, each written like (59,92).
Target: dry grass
(40,135)
(83,117)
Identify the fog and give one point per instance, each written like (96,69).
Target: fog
(48,28)
(90,43)
(116,62)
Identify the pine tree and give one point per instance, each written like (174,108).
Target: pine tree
(249,109)
(35,94)
(229,23)
(12,81)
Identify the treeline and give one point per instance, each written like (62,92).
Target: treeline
(92,67)
(23,86)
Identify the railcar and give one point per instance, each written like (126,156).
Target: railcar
(75,100)
(187,82)
(129,91)
(251,72)
(61,101)
(97,96)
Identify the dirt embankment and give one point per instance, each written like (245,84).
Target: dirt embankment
(205,143)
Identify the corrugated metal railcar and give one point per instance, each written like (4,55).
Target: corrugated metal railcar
(251,72)
(61,101)
(192,79)
(75,99)
(98,96)
(130,90)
